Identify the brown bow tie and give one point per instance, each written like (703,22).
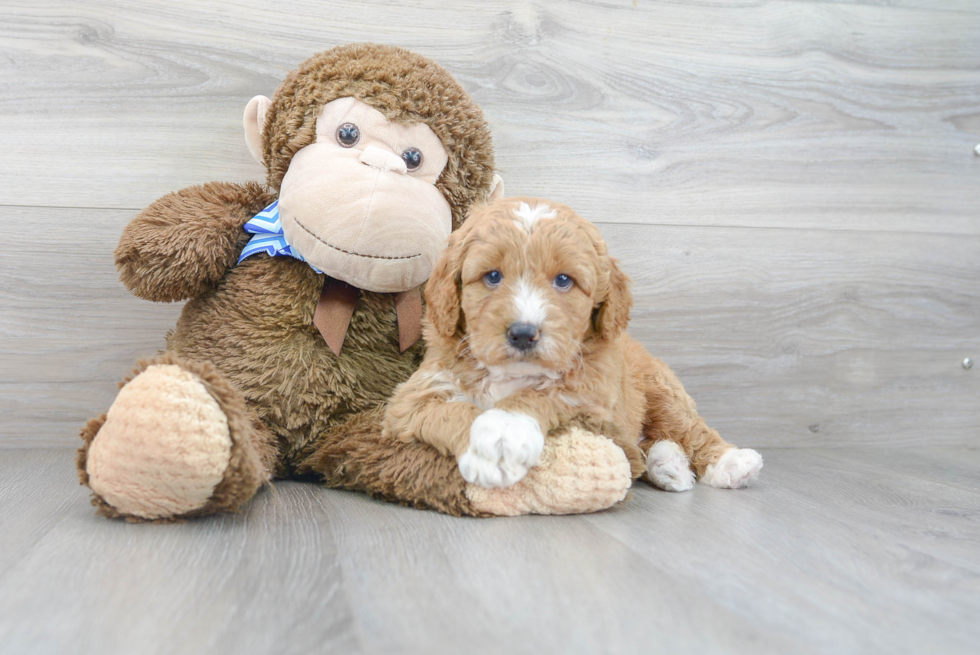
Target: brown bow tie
(336,306)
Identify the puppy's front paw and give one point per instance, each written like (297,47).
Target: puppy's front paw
(735,469)
(668,467)
(503,447)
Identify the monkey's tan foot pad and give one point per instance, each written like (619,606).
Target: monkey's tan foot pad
(164,447)
(579,472)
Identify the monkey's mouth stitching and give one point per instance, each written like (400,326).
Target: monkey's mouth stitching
(349,252)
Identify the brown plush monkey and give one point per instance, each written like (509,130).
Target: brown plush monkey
(298,327)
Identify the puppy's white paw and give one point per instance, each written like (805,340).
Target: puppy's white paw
(503,447)
(736,469)
(668,467)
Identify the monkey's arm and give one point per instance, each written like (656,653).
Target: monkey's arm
(185,241)
(420,411)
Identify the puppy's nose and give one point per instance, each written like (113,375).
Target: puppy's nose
(522,336)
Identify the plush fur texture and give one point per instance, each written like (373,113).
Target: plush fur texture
(176,470)
(486,397)
(182,245)
(599,468)
(252,449)
(246,334)
(406,88)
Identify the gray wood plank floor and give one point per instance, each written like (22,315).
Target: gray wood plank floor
(834,551)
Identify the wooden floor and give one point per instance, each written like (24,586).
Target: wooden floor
(835,551)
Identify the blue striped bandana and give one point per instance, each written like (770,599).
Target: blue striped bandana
(269,237)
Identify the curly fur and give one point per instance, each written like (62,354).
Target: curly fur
(356,456)
(247,330)
(583,365)
(406,88)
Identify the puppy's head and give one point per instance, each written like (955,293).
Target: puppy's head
(525,282)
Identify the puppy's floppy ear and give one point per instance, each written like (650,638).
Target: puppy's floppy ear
(443,288)
(612,315)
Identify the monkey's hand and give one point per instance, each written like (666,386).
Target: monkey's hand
(185,241)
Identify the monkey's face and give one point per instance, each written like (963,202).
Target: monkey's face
(360,203)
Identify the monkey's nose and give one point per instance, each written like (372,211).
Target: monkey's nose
(522,336)
(384,160)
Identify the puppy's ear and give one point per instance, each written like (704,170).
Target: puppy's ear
(443,288)
(612,315)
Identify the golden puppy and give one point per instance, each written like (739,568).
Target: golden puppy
(526,313)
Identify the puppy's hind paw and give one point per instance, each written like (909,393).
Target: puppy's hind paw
(503,447)
(734,470)
(668,467)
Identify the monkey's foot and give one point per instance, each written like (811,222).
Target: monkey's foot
(579,472)
(170,446)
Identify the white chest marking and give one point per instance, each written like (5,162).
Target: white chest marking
(504,381)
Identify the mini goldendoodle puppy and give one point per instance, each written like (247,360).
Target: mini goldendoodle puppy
(525,326)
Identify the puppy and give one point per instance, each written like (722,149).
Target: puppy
(525,328)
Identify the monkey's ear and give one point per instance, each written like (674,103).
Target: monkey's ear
(443,289)
(613,314)
(254,122)
(497,190)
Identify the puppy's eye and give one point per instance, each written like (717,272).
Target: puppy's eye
(492,279)
(413,158)
(562,282)
(348,135)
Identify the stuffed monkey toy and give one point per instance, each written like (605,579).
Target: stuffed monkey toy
(304,309)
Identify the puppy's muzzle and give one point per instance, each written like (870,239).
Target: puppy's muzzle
(522,336)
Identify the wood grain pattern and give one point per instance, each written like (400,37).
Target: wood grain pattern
(851,540)
(791,114)
(813,337)
(792,187)
(792,184)
(784,337)
(952,467)
(554,585)
(205,587)
(37,492)
(969,6)
(829,553)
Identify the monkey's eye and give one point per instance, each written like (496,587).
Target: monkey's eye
(492,279)
(348,135)
(413,158)
(563,282)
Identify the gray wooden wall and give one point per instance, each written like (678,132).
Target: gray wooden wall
(791,184)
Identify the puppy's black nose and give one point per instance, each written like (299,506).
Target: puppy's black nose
(522,336)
